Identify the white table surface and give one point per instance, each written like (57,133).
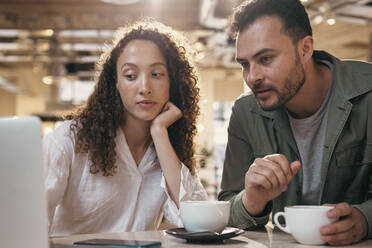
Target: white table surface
(253,239)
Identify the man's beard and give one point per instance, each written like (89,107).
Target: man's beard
(293,83)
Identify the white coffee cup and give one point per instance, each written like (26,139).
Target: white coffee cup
(304,222)
(201,216)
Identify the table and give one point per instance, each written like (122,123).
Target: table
(267,237)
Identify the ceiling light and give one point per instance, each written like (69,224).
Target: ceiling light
(48,32)
(48,80)
(317,19)
(199,46)
(331,21)
(324,8)
(43,32)
(200,56)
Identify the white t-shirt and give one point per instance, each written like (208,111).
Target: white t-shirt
(134,199)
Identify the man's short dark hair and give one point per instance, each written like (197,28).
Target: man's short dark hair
(291,12)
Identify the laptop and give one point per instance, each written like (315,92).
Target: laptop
(23,213)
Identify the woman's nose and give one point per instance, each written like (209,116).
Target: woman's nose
(145,86)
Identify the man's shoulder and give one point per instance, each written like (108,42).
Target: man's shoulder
(359,66)
(354,77)
(358,78)
(346,67)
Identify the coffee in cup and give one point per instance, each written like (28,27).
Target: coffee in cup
(304,222)
(201,216)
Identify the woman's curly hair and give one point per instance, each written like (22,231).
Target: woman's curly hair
(96,122)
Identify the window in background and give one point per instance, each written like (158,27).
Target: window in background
(222,113)
(211,161)
(75,91)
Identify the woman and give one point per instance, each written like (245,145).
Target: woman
(126,157)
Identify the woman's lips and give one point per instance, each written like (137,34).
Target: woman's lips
(146,104)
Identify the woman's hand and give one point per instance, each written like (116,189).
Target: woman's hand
(167,117)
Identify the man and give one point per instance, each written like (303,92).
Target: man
(304,133)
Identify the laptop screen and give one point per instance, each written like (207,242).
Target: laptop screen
(23,217)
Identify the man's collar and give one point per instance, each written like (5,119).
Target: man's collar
(256,108)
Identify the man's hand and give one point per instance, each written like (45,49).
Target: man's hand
(350,228)
(267,178)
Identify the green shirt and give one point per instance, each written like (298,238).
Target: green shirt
(346,174)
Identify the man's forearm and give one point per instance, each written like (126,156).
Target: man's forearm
(239,217)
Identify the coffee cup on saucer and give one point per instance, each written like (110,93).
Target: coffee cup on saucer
(205,216)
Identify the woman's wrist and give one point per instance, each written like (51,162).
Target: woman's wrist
(158,131)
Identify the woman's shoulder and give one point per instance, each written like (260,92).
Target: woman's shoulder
(63,131)
(60,142)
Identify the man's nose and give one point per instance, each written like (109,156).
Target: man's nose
(254,76)
(145,85)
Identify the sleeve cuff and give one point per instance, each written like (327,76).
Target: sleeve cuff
(366,209)
(240,218)
(190,189)
(185,174)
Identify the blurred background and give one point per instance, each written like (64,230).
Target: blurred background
(48,49)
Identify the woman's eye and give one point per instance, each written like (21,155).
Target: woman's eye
(130,76)
(157,74)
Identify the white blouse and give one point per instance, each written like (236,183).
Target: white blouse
(134,199)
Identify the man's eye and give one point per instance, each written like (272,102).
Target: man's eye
(244,65)
(266,59)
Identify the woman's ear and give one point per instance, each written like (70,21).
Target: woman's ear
(306,48)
